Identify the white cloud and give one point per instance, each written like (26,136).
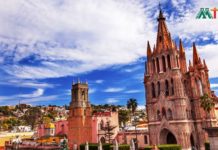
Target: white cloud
(132,91)
(26,83)
(91,91)
(13,99)
(209,53)
(37,93)
(214,85)
(71,38)
(140,107)
(129,70)
(113,89)
(99,81)
(112,100)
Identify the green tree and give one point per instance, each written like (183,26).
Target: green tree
(132,105)
(207,103)
(108,129)
(32,116)
(124,116)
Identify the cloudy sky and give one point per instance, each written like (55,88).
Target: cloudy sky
(47,45)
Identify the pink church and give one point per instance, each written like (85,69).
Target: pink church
(98,121)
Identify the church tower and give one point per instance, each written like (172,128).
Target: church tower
(80,119)
(173,93)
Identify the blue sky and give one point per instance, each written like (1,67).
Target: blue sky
(46,45)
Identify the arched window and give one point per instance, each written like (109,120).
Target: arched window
(164,64)
(172,86)
(158,88)
(177,61)
(185,86)
(163,112)
(200,88)
(153,90)
(62,128)
(154,69)
(158,115)
(101,125)
(158,65)
(83,95)
(168,61)
(166,88)
(188,114)
(169,114)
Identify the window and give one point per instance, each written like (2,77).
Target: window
(158,115)
(164,64)
(154,69)
(158,88)
(145,139)
(163,112)
(168,61)
(166,88)
(185,86)
(169,114)
(177,61)
(172,86)
(160,38)
(158,66)
(83,95)
(101,125)
(200,88)
(153,90)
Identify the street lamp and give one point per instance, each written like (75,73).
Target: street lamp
(136,136)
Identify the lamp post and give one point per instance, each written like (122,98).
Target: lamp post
(136,136)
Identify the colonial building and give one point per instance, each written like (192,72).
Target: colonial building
(100,121)
(80,117)
(173,93)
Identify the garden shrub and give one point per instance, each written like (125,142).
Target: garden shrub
(124,147)
(148,148)
(94,146)
(165,147)
(169,147)
(207,145)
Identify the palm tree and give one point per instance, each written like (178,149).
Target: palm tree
(207,103)
(132,105)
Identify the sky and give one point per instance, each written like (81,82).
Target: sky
(45,46)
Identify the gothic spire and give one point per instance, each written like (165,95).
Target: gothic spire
(181,48)
(148,50)
(195,55)
(205,65)
(163,36)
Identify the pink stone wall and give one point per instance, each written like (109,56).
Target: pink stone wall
(61,127)
(125,137)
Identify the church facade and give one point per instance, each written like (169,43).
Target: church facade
(173,92)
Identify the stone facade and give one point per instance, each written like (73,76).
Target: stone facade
(100,120)
(80,117)
(173,93)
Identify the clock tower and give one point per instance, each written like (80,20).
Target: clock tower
(80,119)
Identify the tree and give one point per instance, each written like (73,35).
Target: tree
(207,103)
(132,105)
(108,129)
(32,116)
(123,116)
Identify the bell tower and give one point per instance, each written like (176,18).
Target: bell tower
(80,119)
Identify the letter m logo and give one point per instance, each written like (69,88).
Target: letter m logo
(204,13)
